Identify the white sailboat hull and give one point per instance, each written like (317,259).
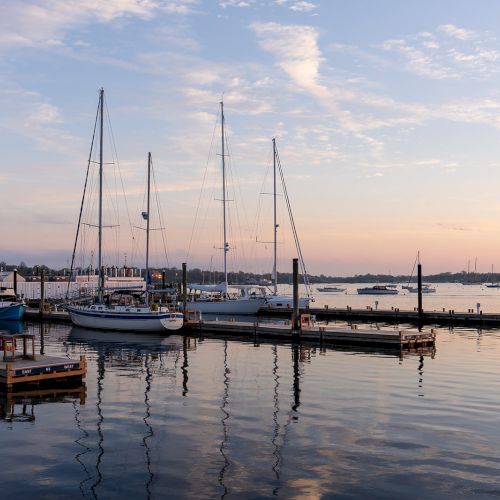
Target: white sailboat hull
(232,306)
(141,320)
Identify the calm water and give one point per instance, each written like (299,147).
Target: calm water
(448,295)
(173,417)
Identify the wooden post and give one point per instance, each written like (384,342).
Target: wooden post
(184,288)
(15,282)
(42,292)
(295,314)
(420,310)
(163,285)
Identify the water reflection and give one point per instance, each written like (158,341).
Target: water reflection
(150,432)
(183,418)
(101,370)
(11,326)
(225,417)
(18,405)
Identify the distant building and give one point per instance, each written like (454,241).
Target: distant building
(8,277)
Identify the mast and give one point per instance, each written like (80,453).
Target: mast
(225,243)
(275,268)
(101,133)
(147,225)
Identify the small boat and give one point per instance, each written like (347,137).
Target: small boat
(492,285)
(11,308)
(333,289)
(377,290)
(425,289)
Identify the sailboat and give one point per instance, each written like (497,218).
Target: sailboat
(125,309)
(223,298)
(275,300)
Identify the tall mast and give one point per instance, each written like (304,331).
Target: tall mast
(275,268)
(225,243)
(101,133)
(147,224)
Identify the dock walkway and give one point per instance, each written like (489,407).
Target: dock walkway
(447,317)
(317,333)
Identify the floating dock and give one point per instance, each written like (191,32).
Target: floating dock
(26,367)
(387,338)
(396,315)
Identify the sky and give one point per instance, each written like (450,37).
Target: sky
(386,116)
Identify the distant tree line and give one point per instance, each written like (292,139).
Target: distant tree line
(196,275)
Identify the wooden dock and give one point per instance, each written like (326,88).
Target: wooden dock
(447,317)
(26,367)
(387,338)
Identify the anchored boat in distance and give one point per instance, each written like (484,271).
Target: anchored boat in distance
(377,290)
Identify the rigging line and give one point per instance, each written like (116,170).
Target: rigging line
(82,203)
(294,229)
(256,224)
(210,152)
(413,269)
(112,136)
(234,181)
(160,215)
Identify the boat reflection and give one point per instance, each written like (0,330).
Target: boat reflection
(11,326)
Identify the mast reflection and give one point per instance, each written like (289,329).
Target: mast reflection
(150,432)
(101,370)
(222,448)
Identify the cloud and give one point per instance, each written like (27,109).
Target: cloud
(40,23)
(454,32)
(417,61)
(303,6)
(447,53)
(29,115)
(298,55)
(297,5)
(235,3)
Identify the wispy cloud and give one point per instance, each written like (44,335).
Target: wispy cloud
(449,52)
(46,23)
(297,5)
(455,32)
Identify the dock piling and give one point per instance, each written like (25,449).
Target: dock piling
(42,292)
(184,288)
(420,310)
(295,316)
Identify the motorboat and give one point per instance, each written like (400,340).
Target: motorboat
(425,289)
(11,308)
(377,290)
(333,289)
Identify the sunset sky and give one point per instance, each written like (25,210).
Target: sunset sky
(386,114)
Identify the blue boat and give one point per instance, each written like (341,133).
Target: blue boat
(11,309)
